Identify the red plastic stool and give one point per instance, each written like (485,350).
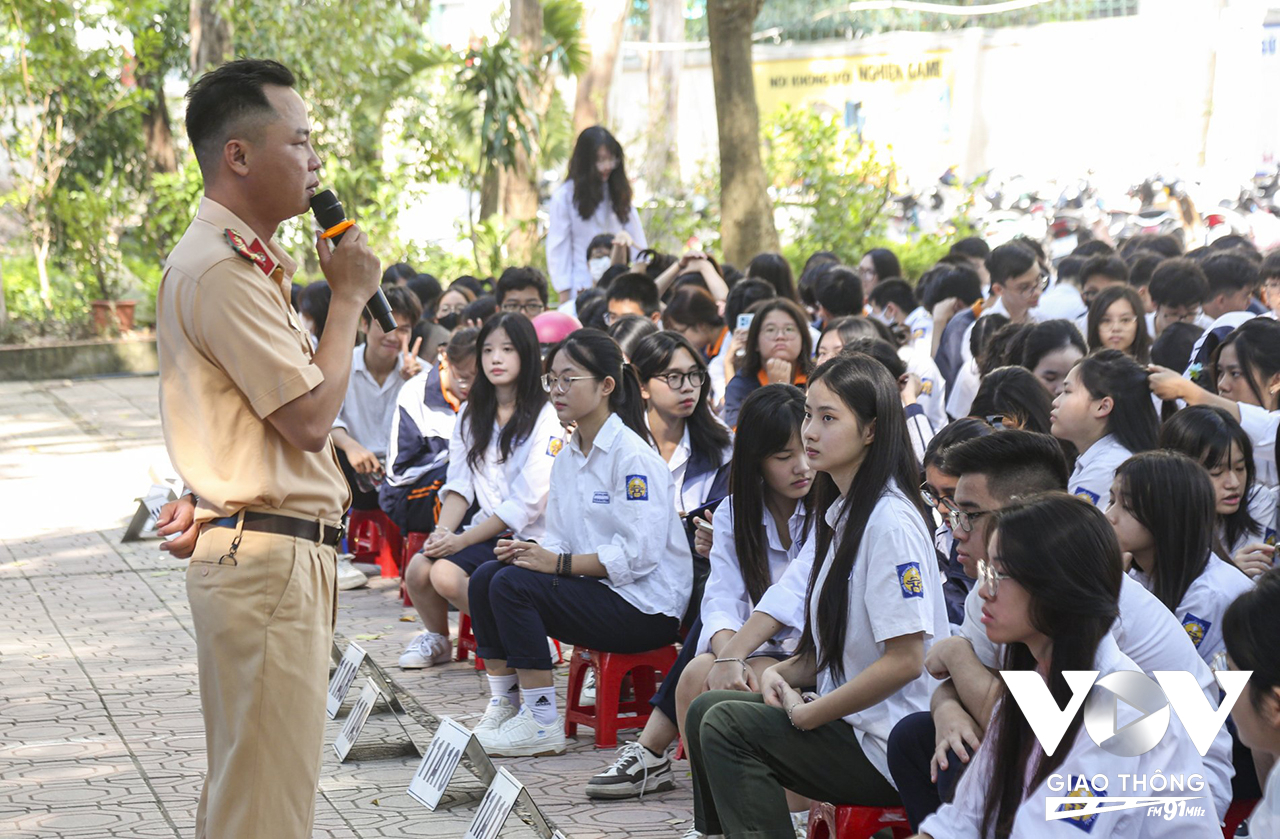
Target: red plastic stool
(413,542)
(606,715)
(1236,813)
(827,821)
(467,642)
(370,534)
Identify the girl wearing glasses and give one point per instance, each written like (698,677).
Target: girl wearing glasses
(612,571)
(500,457)
(1117,321)
(1244,531)
(874,604)
(779,347)
(1105,411)
(1055,617)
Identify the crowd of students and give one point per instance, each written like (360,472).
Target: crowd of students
(851,498)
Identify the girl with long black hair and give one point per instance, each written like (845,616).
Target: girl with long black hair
(1117,321)
(594,199)
(612,571)
(1055,617)
(500,455)
(874,606)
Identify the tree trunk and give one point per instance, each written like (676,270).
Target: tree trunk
(519,188)
(4,310)
(40,250)
(157,134)
(746,214)
(210,35)
(603,36)
(666,25)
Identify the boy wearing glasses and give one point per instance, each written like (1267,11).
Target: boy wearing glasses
(522,291)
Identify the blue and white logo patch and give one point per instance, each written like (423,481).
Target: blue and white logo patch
(554,445)
(1196,628)
(1080,787)
(1270,537)
(600,497)
(637,488)
(1081,492)
(909,580)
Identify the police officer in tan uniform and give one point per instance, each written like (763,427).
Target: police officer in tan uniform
(247,407)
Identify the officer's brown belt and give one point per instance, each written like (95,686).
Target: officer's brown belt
(283,526)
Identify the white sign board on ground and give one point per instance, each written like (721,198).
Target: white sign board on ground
(343,677)
(495,806)
(438,765)
(356,720)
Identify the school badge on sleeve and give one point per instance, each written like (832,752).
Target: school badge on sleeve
(637,488)
(1081,492)
(909,580)
(1082,788)
(554,445)
(1196,628)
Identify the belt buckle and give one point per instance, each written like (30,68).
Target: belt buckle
(342,532)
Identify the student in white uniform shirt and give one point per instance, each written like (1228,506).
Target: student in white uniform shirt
(1250,628)
(1010,397)
(1049,350)
(773,479)
(888,304)
(1055,617)
(1245,520)
(927,751)
(1161,505)
(693,313)
(919,429)
(1246,369)
(1105,411)
(500,456)
(1178,289)
(874,608)
(613,570)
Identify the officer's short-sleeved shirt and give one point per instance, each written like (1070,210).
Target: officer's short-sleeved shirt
(231,353)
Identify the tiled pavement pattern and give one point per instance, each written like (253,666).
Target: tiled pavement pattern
(100,727)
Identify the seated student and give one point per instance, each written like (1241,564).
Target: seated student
(953,299)
(893,303)
(1098,274)
(1062,300)
(1249,628)
(633,294)
(418,453)
(1232,279)
(839,294)
(1269,277)
(434,336)
(769,464)
(1116,321)
(1246,368)
(1105,411)
(975,250)
(694,314)
(926,752)
(774,269)
(778,350)
(479,312)
(742,297)
(313,309)
(877,265)
(1245,509)
(453,302)
(1051,348)
(379,368)
(1142,264)
(1178,289)
(612,572)
(919,430)
(500,458)
(1167,539)
(1055,617)
(874,608)
(522,291)
(1174,346)
(629,331)
(1010,397)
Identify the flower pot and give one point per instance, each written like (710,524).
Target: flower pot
(109,315)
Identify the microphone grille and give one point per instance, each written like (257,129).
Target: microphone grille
(327,208)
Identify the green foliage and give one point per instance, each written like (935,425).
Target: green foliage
(685,214)
(22,296)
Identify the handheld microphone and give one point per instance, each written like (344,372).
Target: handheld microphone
(328,211)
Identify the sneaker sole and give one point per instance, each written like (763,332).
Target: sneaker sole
(615,791)
(528,751)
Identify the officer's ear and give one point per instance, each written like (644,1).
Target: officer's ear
(235,154)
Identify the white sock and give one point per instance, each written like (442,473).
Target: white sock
(541,703)
(503,687)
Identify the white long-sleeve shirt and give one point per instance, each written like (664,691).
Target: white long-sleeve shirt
(617,501)
(1262,507)
(1261,424)
(1205,602)
(933,395)
(1096,469)
(514,490)
(421,428)
(1174,755)
(569,234)
(725,601)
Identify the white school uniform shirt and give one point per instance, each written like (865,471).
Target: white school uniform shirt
(569,234)
(1205,602)
(421,428)
(933,394)
(784,601)
(894,590)
(715,370)
(1173,755)
(618,502)
(692,491)
(1061,301)
(1150,635)
(920,325)
(368,407)
(514,490)
(1261,424)
(1096,469)
(725,601)
(919,429)
(1265,819)
(1262,508)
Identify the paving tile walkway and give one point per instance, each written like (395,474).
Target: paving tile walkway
(100,727)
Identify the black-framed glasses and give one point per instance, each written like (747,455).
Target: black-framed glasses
(988,576)
(932,498)
(531,308)
(964,519)
(561,384)
(675,379)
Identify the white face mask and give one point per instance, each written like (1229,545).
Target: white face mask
(598,266)
(882,317)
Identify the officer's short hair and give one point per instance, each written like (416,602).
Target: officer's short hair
(225,100)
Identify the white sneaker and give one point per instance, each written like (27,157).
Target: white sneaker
(634,772)
(498,711)
(694,833)
(523,736)
(427,650)
(349,576)
(800,824)
(588,695)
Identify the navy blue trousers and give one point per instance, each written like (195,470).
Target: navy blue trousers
(910,750)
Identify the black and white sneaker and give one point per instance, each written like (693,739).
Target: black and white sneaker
(635,772)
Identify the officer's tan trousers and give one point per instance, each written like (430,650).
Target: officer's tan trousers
(264,627)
